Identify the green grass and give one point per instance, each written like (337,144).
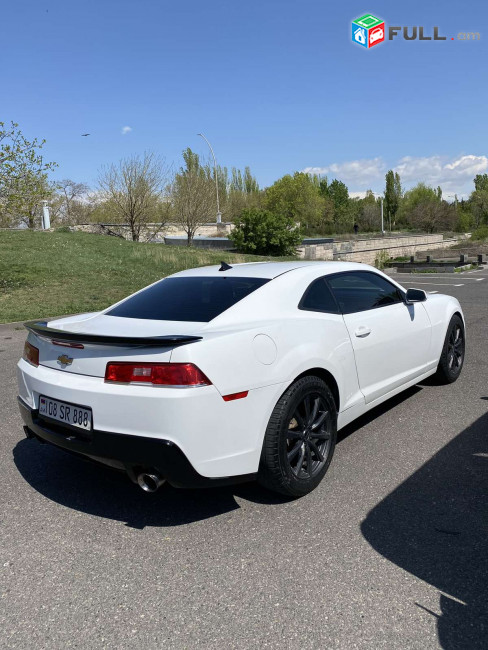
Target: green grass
(46,274)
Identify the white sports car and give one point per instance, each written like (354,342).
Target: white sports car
(217,375)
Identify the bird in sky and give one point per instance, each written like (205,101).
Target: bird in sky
(83,135)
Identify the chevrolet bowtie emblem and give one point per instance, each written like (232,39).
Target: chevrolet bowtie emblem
(64,360)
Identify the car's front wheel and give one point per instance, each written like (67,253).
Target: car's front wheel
(300,438)
(452,356)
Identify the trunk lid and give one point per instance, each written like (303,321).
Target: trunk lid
(86,353)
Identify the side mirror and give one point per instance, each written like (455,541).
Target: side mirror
(415,295)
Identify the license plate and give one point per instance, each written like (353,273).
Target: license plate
(76,416)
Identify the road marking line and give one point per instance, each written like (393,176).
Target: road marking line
(432,292)
(447,276)
(440,284)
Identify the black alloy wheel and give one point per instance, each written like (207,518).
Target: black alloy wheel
(455,349)
(300,438)
(309,436)
(453,352)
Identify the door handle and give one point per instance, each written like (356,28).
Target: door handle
(362,331)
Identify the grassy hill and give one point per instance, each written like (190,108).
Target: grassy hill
(46,274)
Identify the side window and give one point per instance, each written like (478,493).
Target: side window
(318,297)
(362,290)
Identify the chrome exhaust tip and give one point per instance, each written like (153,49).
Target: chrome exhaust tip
(150,482)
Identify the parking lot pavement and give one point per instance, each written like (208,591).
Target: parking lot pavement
(389,551)
(439,282)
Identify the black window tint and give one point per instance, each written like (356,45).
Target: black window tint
(318,297)
(360,291)
(196,298)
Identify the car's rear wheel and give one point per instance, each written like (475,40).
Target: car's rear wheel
(300,438)
(452,356)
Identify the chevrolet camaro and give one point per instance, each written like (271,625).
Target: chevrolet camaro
(222,374)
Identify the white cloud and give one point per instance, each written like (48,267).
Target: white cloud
(412,169)
(126,130)
(360,172)
(358,195)
(455,175)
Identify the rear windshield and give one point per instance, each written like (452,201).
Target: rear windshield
(187,299)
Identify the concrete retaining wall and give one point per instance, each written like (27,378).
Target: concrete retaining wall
(367,250)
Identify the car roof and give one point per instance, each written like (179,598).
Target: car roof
(270,270)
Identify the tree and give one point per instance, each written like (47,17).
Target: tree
(192,195)
(296,197)
(223,185)
(263,233)
(422,207)
(478,201)
(398,187)
(432,216)
(481,182)
(339,194)
(251,186)
(393,194)
(419,195)
(243,193)
(23,175)
(133,187)
(243,182)
(237,182)
(464,220)
(479,206)
(72,201)
(25,202)
(324,186)
(369,217)
(239,201)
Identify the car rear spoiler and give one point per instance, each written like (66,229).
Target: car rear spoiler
(41,328)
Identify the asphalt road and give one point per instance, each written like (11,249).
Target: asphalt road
(389,552)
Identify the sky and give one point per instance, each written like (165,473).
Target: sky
(276,85)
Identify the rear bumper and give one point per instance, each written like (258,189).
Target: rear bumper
(131,453)
(218,438)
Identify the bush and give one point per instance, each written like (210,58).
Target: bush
(464,223)
(381,260)
(480,233)
(264,233)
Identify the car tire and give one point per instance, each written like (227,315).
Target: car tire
(300,438)
(453,351)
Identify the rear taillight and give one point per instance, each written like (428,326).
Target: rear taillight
(31,354)
(162,374)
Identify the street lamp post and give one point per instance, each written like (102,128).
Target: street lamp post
(219,214)
(45,219)
(382,223)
